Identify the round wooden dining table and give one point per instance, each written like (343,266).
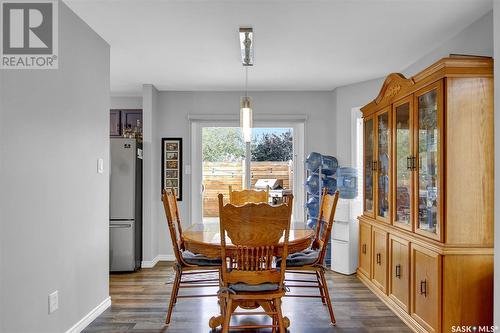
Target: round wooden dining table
(204,238)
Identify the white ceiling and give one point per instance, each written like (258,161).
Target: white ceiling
(299,45)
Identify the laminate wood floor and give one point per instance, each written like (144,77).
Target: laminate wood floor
(140,300)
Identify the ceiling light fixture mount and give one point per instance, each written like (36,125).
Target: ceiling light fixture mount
(246,46)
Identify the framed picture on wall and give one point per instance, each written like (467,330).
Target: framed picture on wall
(171,165)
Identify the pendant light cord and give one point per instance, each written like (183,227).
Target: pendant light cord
(246,81)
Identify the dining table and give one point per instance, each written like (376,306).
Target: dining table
(204,238)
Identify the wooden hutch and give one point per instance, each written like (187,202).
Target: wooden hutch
(426,233)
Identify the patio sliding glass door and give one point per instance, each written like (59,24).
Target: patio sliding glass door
(220,158)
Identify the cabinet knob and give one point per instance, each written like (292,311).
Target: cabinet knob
(363,248)
(379,259)
(398,271)
(423,288)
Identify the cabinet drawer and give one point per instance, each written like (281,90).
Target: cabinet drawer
(365,246)
(343,210)
(379,259)
(340,231)
(426,288)
(399,271)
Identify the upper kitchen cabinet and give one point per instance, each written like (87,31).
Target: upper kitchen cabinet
(115,123)
(131,119)
(123,120)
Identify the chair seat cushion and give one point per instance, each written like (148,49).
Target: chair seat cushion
(199,259)
(244,287)
(306,257)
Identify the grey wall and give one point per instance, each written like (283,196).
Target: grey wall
(173,108)
(54,205)
(151,171)
(346,98)
(476,39)
(496,15)
(126,102)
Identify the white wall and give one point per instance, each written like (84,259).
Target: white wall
(54,205)
(496,15)
(174,107)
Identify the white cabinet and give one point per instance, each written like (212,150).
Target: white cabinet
(345,237)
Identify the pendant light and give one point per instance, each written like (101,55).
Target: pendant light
(246,113)
(246,116)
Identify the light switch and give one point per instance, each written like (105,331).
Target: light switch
(100,165)
(53,301)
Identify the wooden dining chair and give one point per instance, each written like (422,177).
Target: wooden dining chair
(245,196)
(311,261)
(250,277)
(186,262)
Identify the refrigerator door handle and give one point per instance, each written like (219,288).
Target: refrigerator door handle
(122,225)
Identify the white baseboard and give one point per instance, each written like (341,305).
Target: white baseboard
(160,257)
(89,317)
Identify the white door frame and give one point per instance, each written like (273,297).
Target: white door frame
(297,122)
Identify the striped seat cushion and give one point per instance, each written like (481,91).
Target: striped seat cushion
(199,259)
(239,287)
(306,257)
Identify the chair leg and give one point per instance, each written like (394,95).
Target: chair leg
(178,286)
(327,295)
(275,317)
(227,315)
(173,295)
(281,323)
(318,277)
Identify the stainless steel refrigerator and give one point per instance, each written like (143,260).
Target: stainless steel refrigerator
(125,205)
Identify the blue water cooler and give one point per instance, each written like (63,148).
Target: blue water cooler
(321,171)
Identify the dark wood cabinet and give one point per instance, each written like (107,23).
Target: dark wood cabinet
(121,119)
(131,119)
(115,123)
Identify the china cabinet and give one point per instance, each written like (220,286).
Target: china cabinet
(426,233)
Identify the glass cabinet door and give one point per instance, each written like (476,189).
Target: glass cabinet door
(383,165)
(428,142)
(403,163)
(369,158)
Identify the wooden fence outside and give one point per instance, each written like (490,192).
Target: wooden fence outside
(217,176)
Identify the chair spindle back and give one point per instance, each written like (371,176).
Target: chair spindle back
(325,222)
(245,196)
(174,223)
(255,230)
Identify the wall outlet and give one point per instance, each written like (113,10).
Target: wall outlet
(53,301)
